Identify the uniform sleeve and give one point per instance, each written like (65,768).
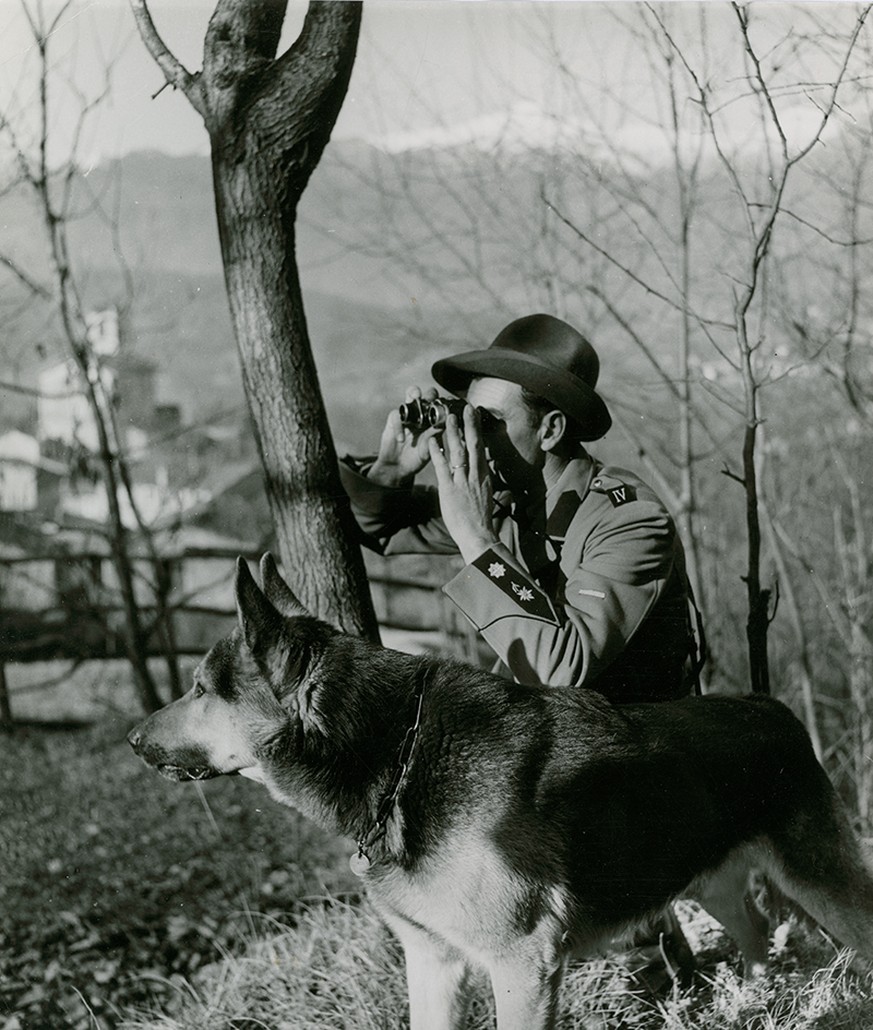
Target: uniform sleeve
(625,556)
(395,520)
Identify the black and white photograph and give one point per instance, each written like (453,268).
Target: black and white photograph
(436,515)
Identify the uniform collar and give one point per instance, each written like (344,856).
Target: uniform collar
(563,499)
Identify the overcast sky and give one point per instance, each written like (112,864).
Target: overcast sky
(420,62)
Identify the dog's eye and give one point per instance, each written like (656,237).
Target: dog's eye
(199,690)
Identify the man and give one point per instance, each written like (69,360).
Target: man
(574,573)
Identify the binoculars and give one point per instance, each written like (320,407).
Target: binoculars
(419,414)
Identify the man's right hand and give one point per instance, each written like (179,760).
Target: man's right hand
(403,452)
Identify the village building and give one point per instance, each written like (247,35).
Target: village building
(28,481)
(195,488)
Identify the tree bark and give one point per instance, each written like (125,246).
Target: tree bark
(758,620)
(7,723)
(269,119)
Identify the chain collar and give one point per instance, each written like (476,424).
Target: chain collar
(360,861)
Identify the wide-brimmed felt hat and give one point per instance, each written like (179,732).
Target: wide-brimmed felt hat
(545,355)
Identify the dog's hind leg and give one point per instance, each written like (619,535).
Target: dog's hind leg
(726,897)
(437,978)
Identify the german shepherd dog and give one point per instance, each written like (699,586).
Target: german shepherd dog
(512,827)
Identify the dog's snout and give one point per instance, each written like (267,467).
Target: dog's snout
(134,738)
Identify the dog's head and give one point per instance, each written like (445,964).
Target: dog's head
(246,691)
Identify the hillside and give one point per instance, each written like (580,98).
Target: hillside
(404,256)
(377,316)
(370,338)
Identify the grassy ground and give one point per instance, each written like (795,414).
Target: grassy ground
(130,902)
(113,881)
(339,969)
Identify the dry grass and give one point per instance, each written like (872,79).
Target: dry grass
(339,968)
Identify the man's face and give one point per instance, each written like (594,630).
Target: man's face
(513,445)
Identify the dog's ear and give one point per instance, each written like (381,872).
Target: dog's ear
(259,621)
(277,590)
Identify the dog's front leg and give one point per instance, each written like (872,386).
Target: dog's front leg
(437,977)
(526,991)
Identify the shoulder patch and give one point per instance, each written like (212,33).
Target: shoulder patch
(621,494)
(618,492)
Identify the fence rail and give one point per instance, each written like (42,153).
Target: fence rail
(67,607)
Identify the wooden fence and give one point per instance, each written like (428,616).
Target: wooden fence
(67,607)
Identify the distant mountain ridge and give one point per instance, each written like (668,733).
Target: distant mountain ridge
(169,240)
(364,350)
(402,255)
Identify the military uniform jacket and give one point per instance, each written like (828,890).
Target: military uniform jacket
(590,590)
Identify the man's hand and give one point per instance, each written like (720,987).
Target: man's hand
(464,482)
(403,452)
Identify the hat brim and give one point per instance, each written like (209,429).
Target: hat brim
(567,392)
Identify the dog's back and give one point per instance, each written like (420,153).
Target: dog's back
(625,807)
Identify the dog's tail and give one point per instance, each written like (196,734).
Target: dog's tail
(817,860)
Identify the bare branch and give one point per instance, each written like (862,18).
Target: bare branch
(860,242)
(37,289)
(30,391)
(314,72)
(831,105)
(727,471)
(762,91)
(176,74)
(713,323)
(647,351)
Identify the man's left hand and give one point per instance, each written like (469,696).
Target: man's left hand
(464,482)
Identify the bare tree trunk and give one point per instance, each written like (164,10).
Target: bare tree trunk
(7,723)
(135,647)
(55,212)
(758,619)
(802,637)
(860,681)
(315,534)
(166,626)
(269,119)
(161,586)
